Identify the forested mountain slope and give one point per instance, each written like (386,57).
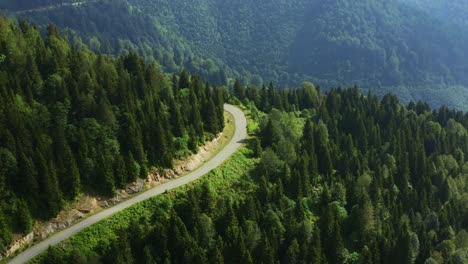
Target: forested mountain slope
(380,45)
(335,178)
(455,12)
(116,27)
(74,121)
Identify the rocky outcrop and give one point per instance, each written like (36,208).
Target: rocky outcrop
(121,195)
(135,187)
(61,222)
(88,205)
(19,244)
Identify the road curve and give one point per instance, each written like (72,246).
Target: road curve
(239,136)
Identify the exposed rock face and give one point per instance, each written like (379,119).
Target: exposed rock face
(153,179)
(62,221)
(136,187)
(59,223)
(19,244)
(88,205)
(103,204)
(194,161)
(119,197)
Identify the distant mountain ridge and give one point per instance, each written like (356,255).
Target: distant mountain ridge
(386,46)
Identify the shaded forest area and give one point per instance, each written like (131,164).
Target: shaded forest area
(72,121)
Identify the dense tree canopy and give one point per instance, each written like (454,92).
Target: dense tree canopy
(342,178)
(73,121)
(338,177)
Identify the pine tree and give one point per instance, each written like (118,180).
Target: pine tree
(316,248)
(5,234)
(292,254)
(211,118)
(25,222)
(30,188)
(257,147)
(72,184)
(120,172)
(184,80)
(163,143)
(123,250)
(402,250)
(77,257)
(175,83)
(176,120)
(366,256)
(239,90)
(53,256)
(219,104)
(403,175)
(195,116)
(51,200)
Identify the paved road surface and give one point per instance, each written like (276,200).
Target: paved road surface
(239,136)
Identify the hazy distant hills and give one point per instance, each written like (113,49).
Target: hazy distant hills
(384,45)
(401,46)
(455,12)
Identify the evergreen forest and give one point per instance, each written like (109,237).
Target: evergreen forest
(356,112)
(72,121)
(337,177)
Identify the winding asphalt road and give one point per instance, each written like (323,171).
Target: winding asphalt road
(239,137)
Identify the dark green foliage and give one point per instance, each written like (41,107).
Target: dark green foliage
(341,178)
(73,121)
(239,90)
(257,147)
(5,233)
(391,189)
(77,257)
(25,221)
(54,256)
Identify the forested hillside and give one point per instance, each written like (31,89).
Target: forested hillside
(335,178)
(387,46)
(328,176)
(455,12)
(74,121)
(116,27)
(381,44)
